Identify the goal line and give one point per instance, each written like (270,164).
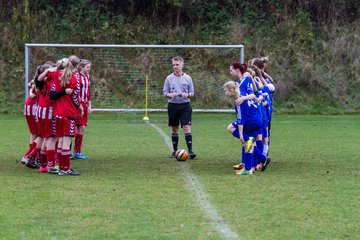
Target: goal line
(143,110)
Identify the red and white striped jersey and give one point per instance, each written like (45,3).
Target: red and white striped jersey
(31,105)
(85,89)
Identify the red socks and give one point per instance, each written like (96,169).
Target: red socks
(31,147)
(34,152)
(78,143)
(65,160)
(58,155)
(43,161)
(50,155)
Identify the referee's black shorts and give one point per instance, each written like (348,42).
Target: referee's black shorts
(179,112)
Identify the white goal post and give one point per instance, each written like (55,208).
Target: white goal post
(118,70)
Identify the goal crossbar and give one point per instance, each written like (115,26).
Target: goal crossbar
(27,65)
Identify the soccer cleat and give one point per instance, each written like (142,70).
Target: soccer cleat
(69,172)
(84,156)
(192,155)
(43,169)
(78,156)
(172,155)
(54,170)
(24,159)
(30,163)
(266,163)
(238,166)
(259,166)
(248,144)
(37,161)
(246,172)
(239,171)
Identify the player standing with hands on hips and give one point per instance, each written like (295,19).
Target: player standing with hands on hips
(178,88)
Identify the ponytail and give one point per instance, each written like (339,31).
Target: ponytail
(72,63)
(241,66)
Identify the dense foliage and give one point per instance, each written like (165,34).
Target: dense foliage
(314,46)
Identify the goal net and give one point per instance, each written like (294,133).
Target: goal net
(131,77)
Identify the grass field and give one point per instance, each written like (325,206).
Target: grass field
(130,189)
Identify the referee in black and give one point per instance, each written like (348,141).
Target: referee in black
(178,88)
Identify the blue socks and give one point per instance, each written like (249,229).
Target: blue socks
(248,160)
(237,135)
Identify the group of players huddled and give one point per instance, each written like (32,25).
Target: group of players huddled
(252,94)
(56,111)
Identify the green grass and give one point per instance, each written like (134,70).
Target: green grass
(130,189)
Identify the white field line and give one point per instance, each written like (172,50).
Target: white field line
(203,199)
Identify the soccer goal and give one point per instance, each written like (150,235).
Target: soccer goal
(130,78)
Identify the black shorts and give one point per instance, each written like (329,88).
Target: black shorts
(180,112)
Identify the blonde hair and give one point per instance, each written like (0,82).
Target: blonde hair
(232,87)
(177,58)
(265,60)
(72,63)
(83,63)
(61,64)
(50,63)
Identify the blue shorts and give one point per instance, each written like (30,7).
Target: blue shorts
(265,133)
(252,129)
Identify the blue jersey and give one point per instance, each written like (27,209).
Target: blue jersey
(268,97)
(262,109)
(245,85)
(248,114)
(267,80)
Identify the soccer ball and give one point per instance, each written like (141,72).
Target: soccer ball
(181,155)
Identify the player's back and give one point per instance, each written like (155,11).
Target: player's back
(44,96)
(65,105)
